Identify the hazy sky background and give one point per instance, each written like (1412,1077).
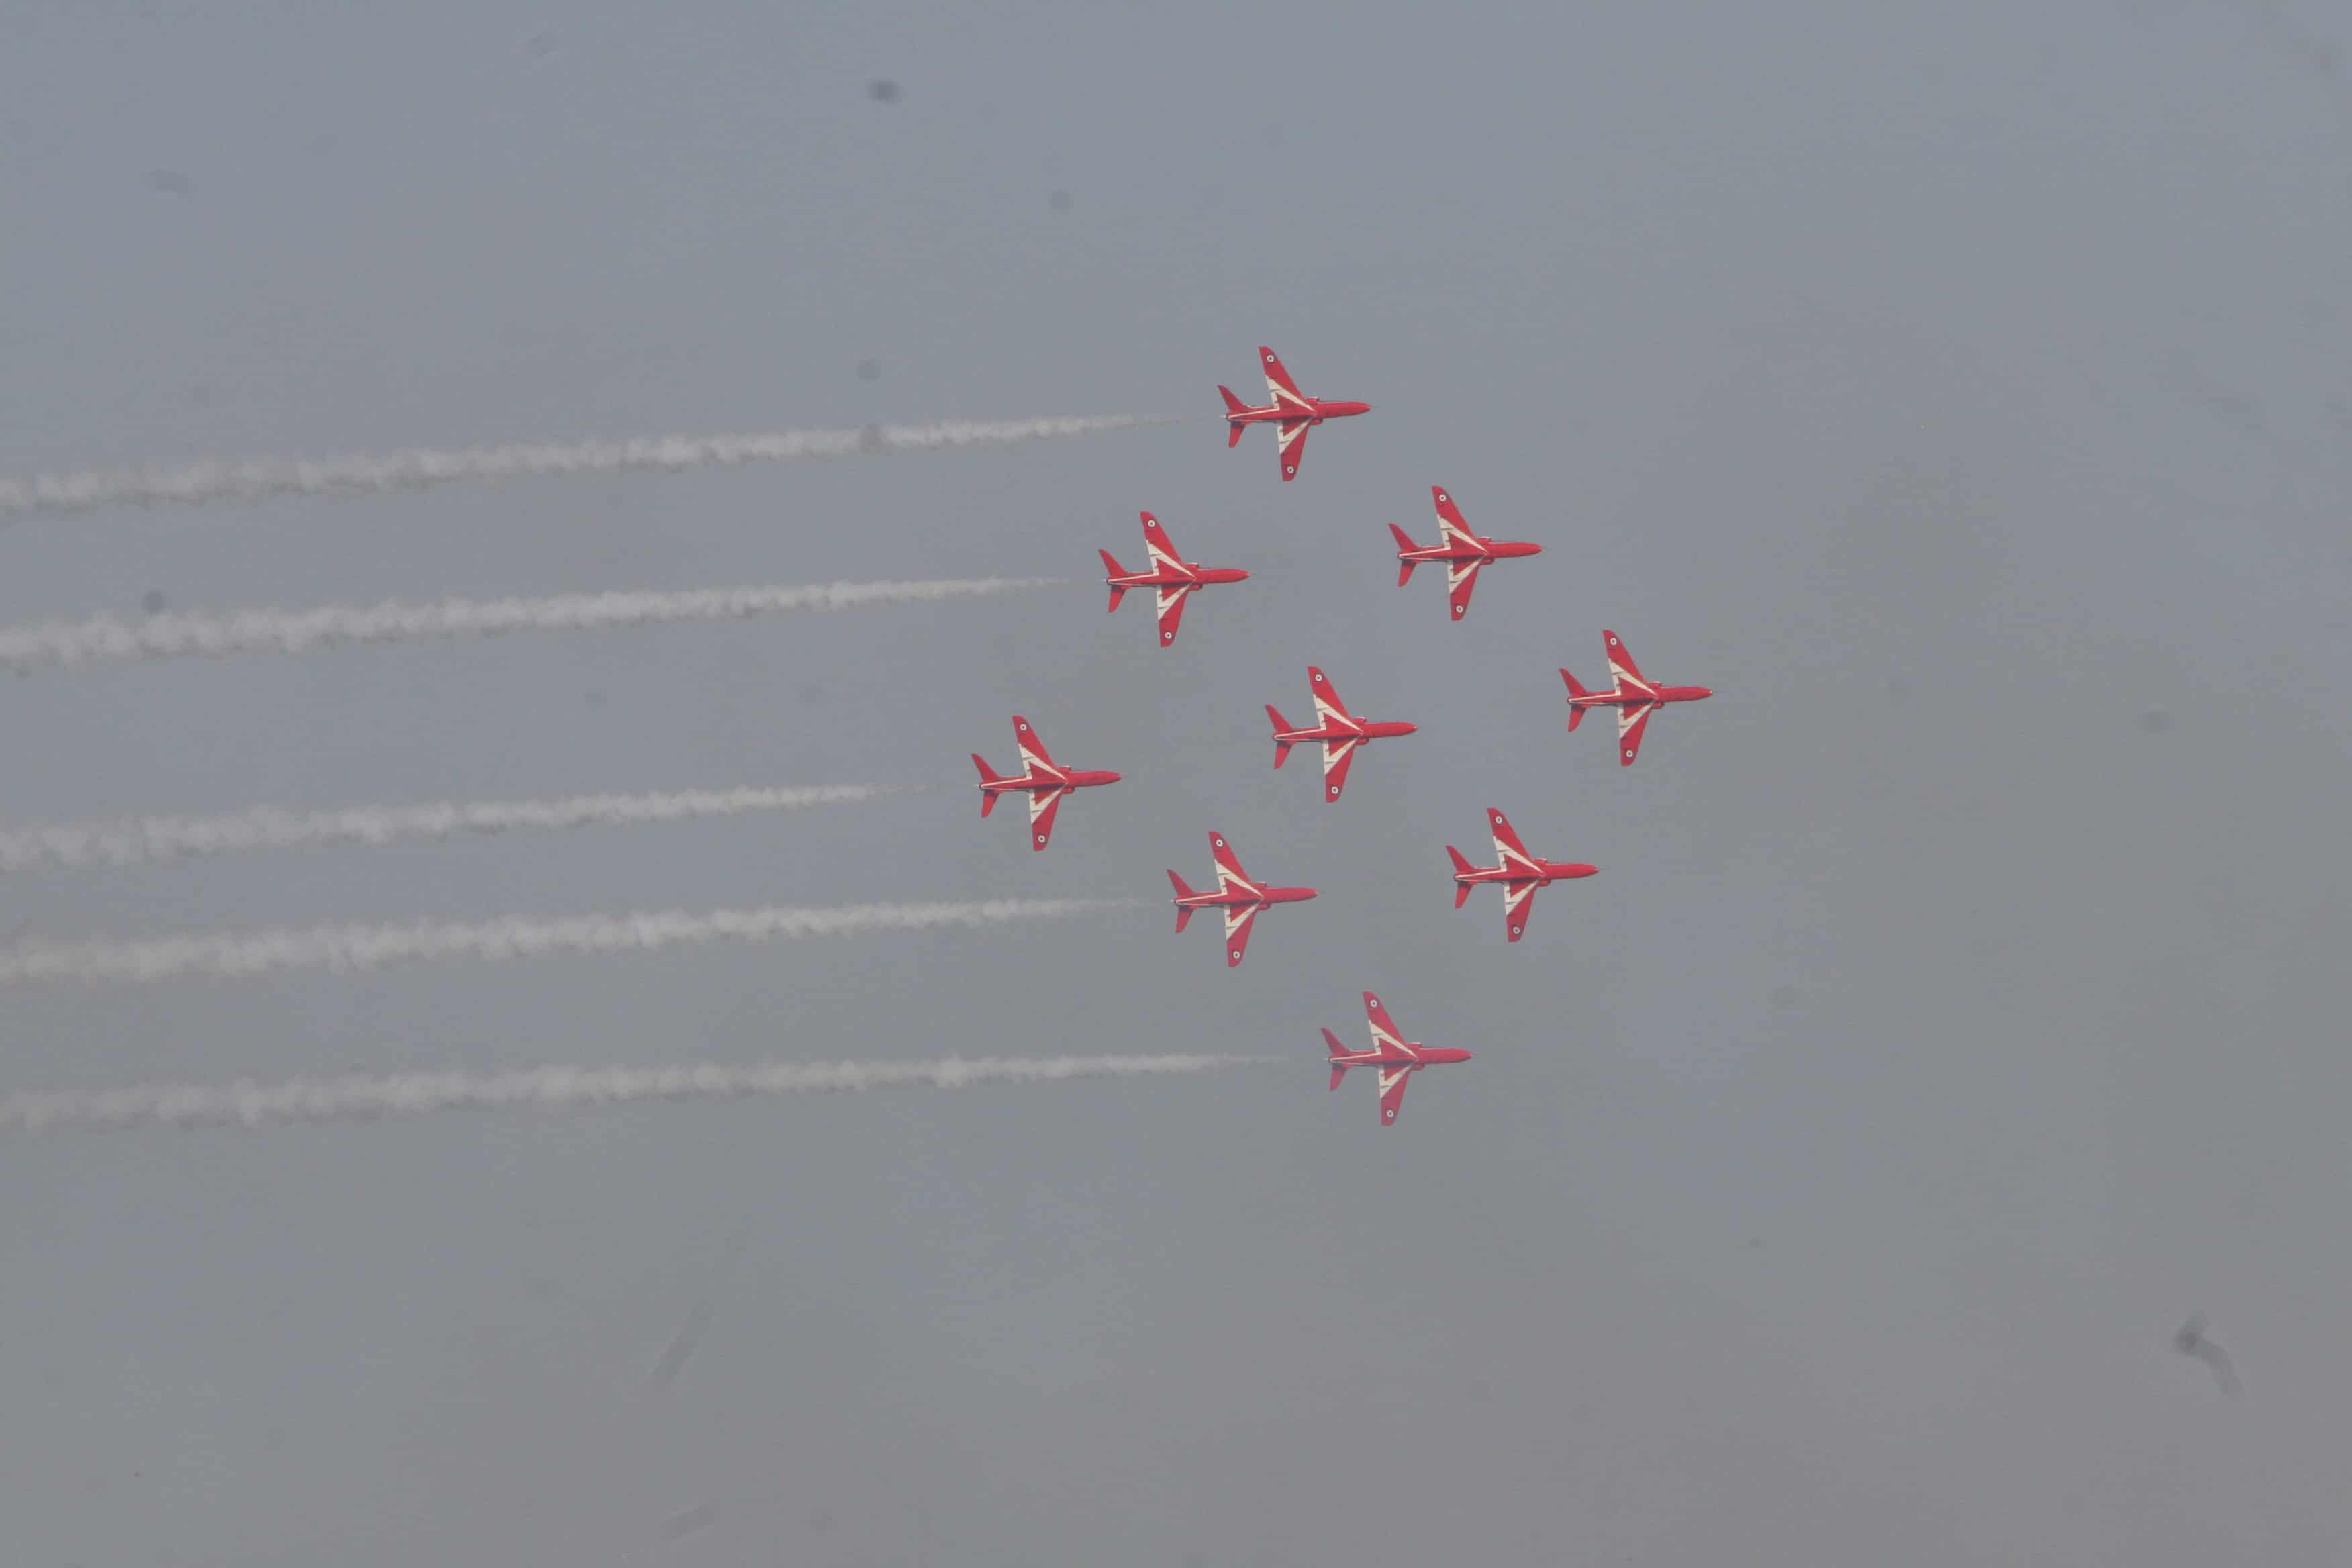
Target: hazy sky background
(1959,392)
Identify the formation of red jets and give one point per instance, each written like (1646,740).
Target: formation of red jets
(1238,898)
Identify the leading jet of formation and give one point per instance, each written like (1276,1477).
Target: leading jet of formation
(1342,732)
(1634,697)
(1175,577)
(1040,777)
(1397,1057)
(1236,895)
(1520,872)
(1462,552)
(1288,410)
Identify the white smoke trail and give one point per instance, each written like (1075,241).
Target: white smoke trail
(106,639)
(197,484)
(248,1103)
(358,947)
(150,839)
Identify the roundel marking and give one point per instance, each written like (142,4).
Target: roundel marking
(1373,1000)
(1041,841)
(1335,791)
(1218,842)
(1023,728)
(1628,756)
(1458,609)
(1236,956)
(1167,637)
(1289,467)
(1269,359)
(1441,496)
(1319,677)
(1515,931)
(1612,642)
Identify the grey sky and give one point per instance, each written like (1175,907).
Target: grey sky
(1961,395)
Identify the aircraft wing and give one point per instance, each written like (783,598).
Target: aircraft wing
(1632,720)
(1280,389)
(1034,755)
(1336,757)
(1239,919)
(1518,903)
(1461,577)
(1384,1029)
(1156,541)
(1507,847)
(1621,665)
(1327,705)
(1171,609)
(1043,803)
(1393,1082)
(1449,518)
(1291,445)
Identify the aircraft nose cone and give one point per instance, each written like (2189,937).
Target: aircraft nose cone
(1109,777)
(1701,694)
(1465,1056)
(1408,729)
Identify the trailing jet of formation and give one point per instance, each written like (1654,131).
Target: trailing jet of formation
(1634,697)
(1462,552)
(1236,895)
(1342,733)
(1397,1057)
(1519,872)
(1175,579)
(1044,781)
(1287,409)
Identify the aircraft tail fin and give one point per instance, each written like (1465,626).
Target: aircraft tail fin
(1281,726)
(1404,541)
(1182,915)
(1575,690)
(1461,867)
(987,776)
(1115,570)
(1234,406)
(1234,436)
(1338,1070)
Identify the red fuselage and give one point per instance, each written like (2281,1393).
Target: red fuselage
(1622,698)
(1059,779)
(1275,413)
(1421,1057)
(1553,871)
(1172,577)
(1337,728)
(1483,550)
(1236,898)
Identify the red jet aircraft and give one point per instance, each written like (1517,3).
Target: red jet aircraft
(1340,732)
(1046,782)
(1174,578)
(1290,410)
(1520,872)
(1634,697)
(1240,898)
(1462,551)
(1397,1057)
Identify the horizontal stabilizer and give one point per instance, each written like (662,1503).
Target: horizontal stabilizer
(1282,726)
(1338,1070)
(1234,406)
(987,776)
(1404,541)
